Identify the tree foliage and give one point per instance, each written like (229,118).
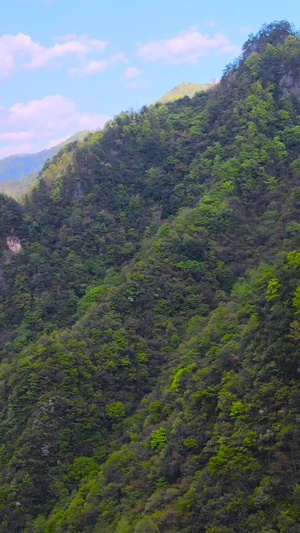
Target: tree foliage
(150,323)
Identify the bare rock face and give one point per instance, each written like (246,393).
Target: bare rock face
(13,244)
(290,84)
(78,193)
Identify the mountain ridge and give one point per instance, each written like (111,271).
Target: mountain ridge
(19,185)
(150,319)
(184,89)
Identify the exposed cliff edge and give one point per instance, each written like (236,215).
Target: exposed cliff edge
(290,84)
(13,243)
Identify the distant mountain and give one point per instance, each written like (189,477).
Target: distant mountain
(17,172)
(17,188)
(184,89)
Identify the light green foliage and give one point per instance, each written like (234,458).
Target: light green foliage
(83,467)
(155,408)
(146,525)
(115,410)
(295,165)
(184,89)
(180,372)
(273,288)
(92,295)
(123,526)
(296,297)
(218,461)
(293,259)
(190,443)
(158,438)
(253,63)
(237,408)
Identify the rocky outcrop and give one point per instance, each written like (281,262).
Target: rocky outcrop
(13,243)
(253,47)
(290,84)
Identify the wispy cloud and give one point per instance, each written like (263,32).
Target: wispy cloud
(42,122)
(131,73)
(56,141)
(90,68)
(10,149)
(97,66)
(16,135)
(20,50)
(211,24)
(87,121)
(186,47)
(137,84)
(64,38)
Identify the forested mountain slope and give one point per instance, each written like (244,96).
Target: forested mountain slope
(150,301)
(184,89)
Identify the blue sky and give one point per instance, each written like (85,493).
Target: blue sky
(69,65)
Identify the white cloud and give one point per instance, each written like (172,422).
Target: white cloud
(16,135)
(65,37)
(119,57)
(46,115)
(43,122)
(97,66)
(20,50)
(131,73)
(51,114)
(91,122)
(211,24)
(136,84)
(90,68)
(132,85)
(186,47)
(13,149)
(58,140)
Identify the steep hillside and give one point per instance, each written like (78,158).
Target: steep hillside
(149,311)
(184,89)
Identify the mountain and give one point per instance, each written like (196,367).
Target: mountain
(23,169)
(18,172)
(149,310)
(184,89)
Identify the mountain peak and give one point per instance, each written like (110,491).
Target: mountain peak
(184,89)
(274,33)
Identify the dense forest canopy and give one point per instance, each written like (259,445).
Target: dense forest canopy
(149,310)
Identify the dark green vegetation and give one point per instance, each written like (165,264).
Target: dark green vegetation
(150,327)
(184,89)
(18,172)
